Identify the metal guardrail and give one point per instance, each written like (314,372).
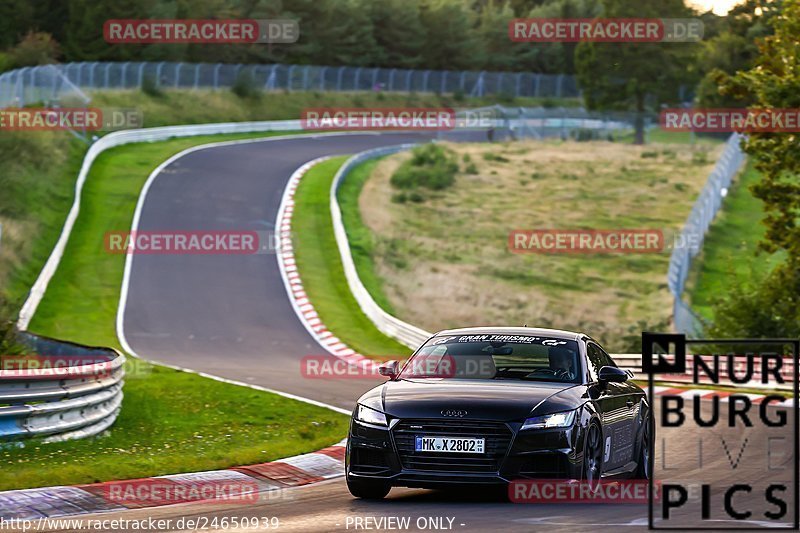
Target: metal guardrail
(71,392)
(48,83)
(693,233)
(395,328)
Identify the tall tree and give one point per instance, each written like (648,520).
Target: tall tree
(558,57)
(771,307)
(623,76)
(451,42)
(732,49)
(398,32)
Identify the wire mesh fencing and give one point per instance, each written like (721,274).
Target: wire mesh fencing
(48,83)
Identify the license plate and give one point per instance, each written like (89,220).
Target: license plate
(449,444)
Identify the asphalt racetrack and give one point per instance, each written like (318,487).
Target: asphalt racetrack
(229,315)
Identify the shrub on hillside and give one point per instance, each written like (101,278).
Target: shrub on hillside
(430,166)
(36,48)
(245,86)
(150,87)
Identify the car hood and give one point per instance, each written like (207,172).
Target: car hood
(482,399)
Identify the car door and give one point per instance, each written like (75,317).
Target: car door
(633,396)
(615,413)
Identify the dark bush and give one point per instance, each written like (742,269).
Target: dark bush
(494,157)
(245,86)
(150,87)
(430,166)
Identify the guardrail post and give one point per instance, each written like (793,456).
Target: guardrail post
(91,74)
(305,77)
(158,73)
(425,81)
(124,75)
(289,78)
(516,89)
(391,79)
(216,75)
(141,73)
(443,85)
(375,77)
(269,83)
(408,80)
(322,78)
(54,84)
(177,73)
(339,79)
(197,76)
(357,79)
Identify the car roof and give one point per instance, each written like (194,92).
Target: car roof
(505,330)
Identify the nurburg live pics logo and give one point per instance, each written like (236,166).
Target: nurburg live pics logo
(754,501)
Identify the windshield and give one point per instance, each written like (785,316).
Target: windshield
(496,357)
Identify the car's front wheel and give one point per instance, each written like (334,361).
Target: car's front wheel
(643,470)
(368,489)
(593,455)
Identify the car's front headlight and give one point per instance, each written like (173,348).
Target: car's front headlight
(556,420)
(370,416)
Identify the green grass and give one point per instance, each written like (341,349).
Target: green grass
(320,266)
(729,251)
(208,425)
(158,431)
(201,106)
(36,191)
(660,136)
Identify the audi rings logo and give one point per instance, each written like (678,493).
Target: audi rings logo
(454,412)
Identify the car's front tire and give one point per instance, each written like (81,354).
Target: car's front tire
(643,470)
(368,489)
(593,455)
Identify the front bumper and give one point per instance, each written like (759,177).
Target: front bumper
(377,453)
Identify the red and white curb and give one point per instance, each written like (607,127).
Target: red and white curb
(265,478)
(294,286)
(723,395)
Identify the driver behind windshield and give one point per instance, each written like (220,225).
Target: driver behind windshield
(562,363)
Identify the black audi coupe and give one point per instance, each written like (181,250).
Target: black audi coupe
(494,405)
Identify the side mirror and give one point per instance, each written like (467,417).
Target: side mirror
(389,369)
(612,374)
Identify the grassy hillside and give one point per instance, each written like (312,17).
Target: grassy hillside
(443,254)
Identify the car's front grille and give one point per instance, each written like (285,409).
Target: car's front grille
(498,437)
